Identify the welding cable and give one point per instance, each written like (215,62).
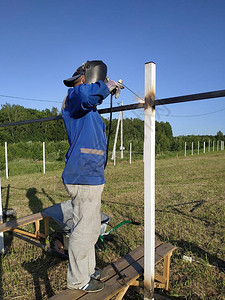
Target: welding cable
(132,92)
(109,132)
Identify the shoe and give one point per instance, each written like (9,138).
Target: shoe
(93,286)
(100,274)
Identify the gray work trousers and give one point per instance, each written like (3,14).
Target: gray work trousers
(86,201)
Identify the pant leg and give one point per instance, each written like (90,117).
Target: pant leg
(86,200)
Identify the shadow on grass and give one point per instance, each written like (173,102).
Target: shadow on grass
(121,204)
(39,271)
(197,251)
(175,210)
(49,197)
(137,293)
(49,268)
(35,203)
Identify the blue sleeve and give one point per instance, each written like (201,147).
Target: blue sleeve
(85,97)
(93,94)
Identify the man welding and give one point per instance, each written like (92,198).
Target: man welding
(83,175)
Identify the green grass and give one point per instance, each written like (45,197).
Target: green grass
(189,214)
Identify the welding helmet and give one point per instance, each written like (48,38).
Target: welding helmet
(93,70)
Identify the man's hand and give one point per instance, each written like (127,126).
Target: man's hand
(114,87)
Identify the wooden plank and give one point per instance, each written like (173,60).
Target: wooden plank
(129,259)
(114,285)
(163,250)
(130,265)
(69,295)
(160,278)
(10,225)
(25,233)
(157,243)
(121,264)
(122,293)
(166,270)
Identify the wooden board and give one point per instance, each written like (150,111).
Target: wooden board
(10,225)
(121,264)
(163,250)
(131,265)
(114,285)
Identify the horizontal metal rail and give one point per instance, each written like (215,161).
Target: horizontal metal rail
(192,97)
(31,121)
(171,100)
(55,118)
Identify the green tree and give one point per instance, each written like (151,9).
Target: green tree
(220,136)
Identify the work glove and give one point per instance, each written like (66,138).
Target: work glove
(114,87)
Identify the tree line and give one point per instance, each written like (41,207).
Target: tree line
(25,140)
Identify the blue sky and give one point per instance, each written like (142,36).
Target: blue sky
(43,42)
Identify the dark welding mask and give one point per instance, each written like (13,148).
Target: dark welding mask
(93,70)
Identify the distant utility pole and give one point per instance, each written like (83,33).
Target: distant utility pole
(116,136)
(119,125)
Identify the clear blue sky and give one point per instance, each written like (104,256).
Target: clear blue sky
(43,42)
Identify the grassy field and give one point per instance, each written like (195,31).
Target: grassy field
(189,214)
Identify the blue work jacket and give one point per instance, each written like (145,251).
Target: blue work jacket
(85,128)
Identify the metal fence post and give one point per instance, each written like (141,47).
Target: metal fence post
(2,248)
(44,157)
(6,162)
(149,181)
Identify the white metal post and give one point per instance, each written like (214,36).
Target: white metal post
(209,146)
(192,148)
(185,149)
(204,147)
(149,181)
(2,248)
(217,146)
(198,147)
(213,145)
(130,152)
(121,133)
(6,162)
(44,157)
